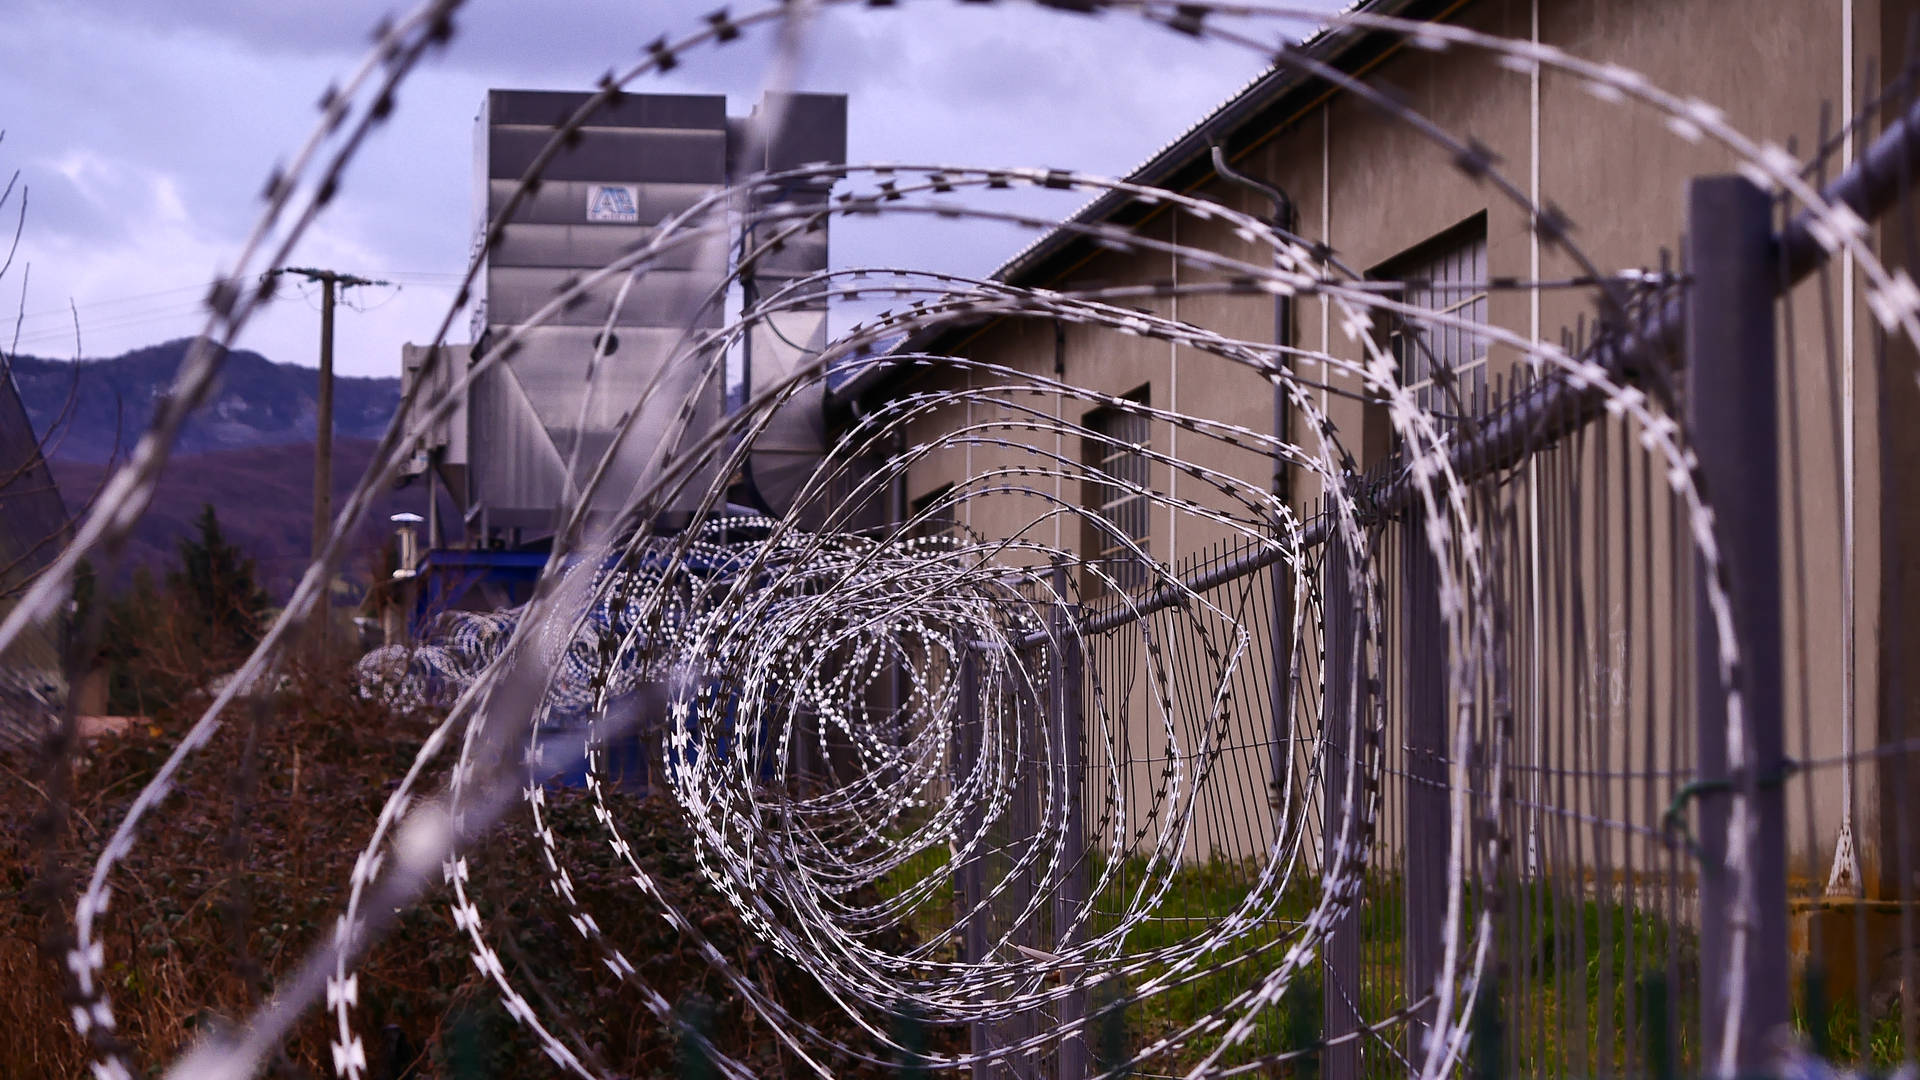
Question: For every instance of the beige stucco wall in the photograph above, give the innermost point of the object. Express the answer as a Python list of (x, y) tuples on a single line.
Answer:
[(1372, 186)]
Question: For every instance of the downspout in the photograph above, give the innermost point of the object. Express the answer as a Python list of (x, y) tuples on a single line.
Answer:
[(897, 513), (1059, 442), (1279, 642), (1282, 220)]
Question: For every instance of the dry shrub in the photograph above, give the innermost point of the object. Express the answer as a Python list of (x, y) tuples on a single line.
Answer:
[(206, 914)]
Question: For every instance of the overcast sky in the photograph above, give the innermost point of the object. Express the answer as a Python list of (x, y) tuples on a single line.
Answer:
[(145, 129)]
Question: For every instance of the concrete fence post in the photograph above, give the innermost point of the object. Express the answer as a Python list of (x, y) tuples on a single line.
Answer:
[(1341, 703), (1733, 428), (1065, 670), (1022, 704), (1425, 814), (969, 884)]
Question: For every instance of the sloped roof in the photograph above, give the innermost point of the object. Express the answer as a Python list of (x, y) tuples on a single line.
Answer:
[(1183, 161), (1196, 142)]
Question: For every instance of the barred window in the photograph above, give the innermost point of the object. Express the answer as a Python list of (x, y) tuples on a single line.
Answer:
[(1446, 275), (940, 517), (1115, 492)]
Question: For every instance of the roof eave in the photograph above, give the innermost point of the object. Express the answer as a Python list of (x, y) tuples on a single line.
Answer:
[(1271, 87)]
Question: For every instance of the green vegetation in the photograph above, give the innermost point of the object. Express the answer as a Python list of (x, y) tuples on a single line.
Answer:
[(1200, 896), (1588, 985), (162, 641), (1584, 985), (1878, 1044)]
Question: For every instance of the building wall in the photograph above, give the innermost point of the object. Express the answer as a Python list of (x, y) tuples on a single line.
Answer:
[(1372, 187)]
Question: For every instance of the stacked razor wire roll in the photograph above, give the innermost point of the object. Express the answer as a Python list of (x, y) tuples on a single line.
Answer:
[(850, 716)]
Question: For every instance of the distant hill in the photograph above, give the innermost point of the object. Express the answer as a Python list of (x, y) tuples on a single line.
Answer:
[(249, 451), (80, 409), (264, 496)]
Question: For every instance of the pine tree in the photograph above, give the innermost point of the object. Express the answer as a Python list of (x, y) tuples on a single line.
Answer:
[(163, 641), (215, 591)]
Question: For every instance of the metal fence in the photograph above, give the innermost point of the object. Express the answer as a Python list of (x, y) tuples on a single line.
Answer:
[(1503, 760), (1225, 738)]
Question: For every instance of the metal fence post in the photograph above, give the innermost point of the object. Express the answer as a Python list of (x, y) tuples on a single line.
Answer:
[(1730, 406), (968, 882), (1340, 954), (1065, 671), (1424, 810), (1282, 797), (1022, 828)]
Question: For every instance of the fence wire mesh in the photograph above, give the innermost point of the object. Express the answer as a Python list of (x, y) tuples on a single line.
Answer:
[(1493, 709)]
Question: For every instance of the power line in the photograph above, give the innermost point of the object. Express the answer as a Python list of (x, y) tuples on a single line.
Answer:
[(51, 332), (199, 291), (332, 283)]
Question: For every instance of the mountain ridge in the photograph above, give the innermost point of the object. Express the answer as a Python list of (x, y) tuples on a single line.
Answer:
[(264, 498), (89, 410), (248, 452)]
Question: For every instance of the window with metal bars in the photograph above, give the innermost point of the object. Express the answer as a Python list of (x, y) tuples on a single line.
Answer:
[(940, 513), (1116, 482), (1446, 275)]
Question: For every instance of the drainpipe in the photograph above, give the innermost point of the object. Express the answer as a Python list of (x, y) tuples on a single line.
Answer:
[(1282, 221), (1280, 638)]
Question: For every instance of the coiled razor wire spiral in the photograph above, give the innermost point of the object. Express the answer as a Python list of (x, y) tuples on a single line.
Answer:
[(873, 652)]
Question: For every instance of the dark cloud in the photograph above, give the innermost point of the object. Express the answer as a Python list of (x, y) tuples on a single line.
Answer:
[(147, 130)]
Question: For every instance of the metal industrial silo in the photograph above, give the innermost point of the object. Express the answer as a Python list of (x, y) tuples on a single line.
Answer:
[(639, 161)]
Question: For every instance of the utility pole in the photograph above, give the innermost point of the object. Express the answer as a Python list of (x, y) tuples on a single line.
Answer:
[(332, 283)]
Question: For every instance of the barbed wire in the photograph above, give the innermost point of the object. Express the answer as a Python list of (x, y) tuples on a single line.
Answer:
[(840, 704)]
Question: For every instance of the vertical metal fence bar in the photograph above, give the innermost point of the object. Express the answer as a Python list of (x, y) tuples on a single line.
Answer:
[(1279, 685), (968, 878), (1023, 759), (1340, 955), (1423, 646), (1731, 417), (1065, 672)]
